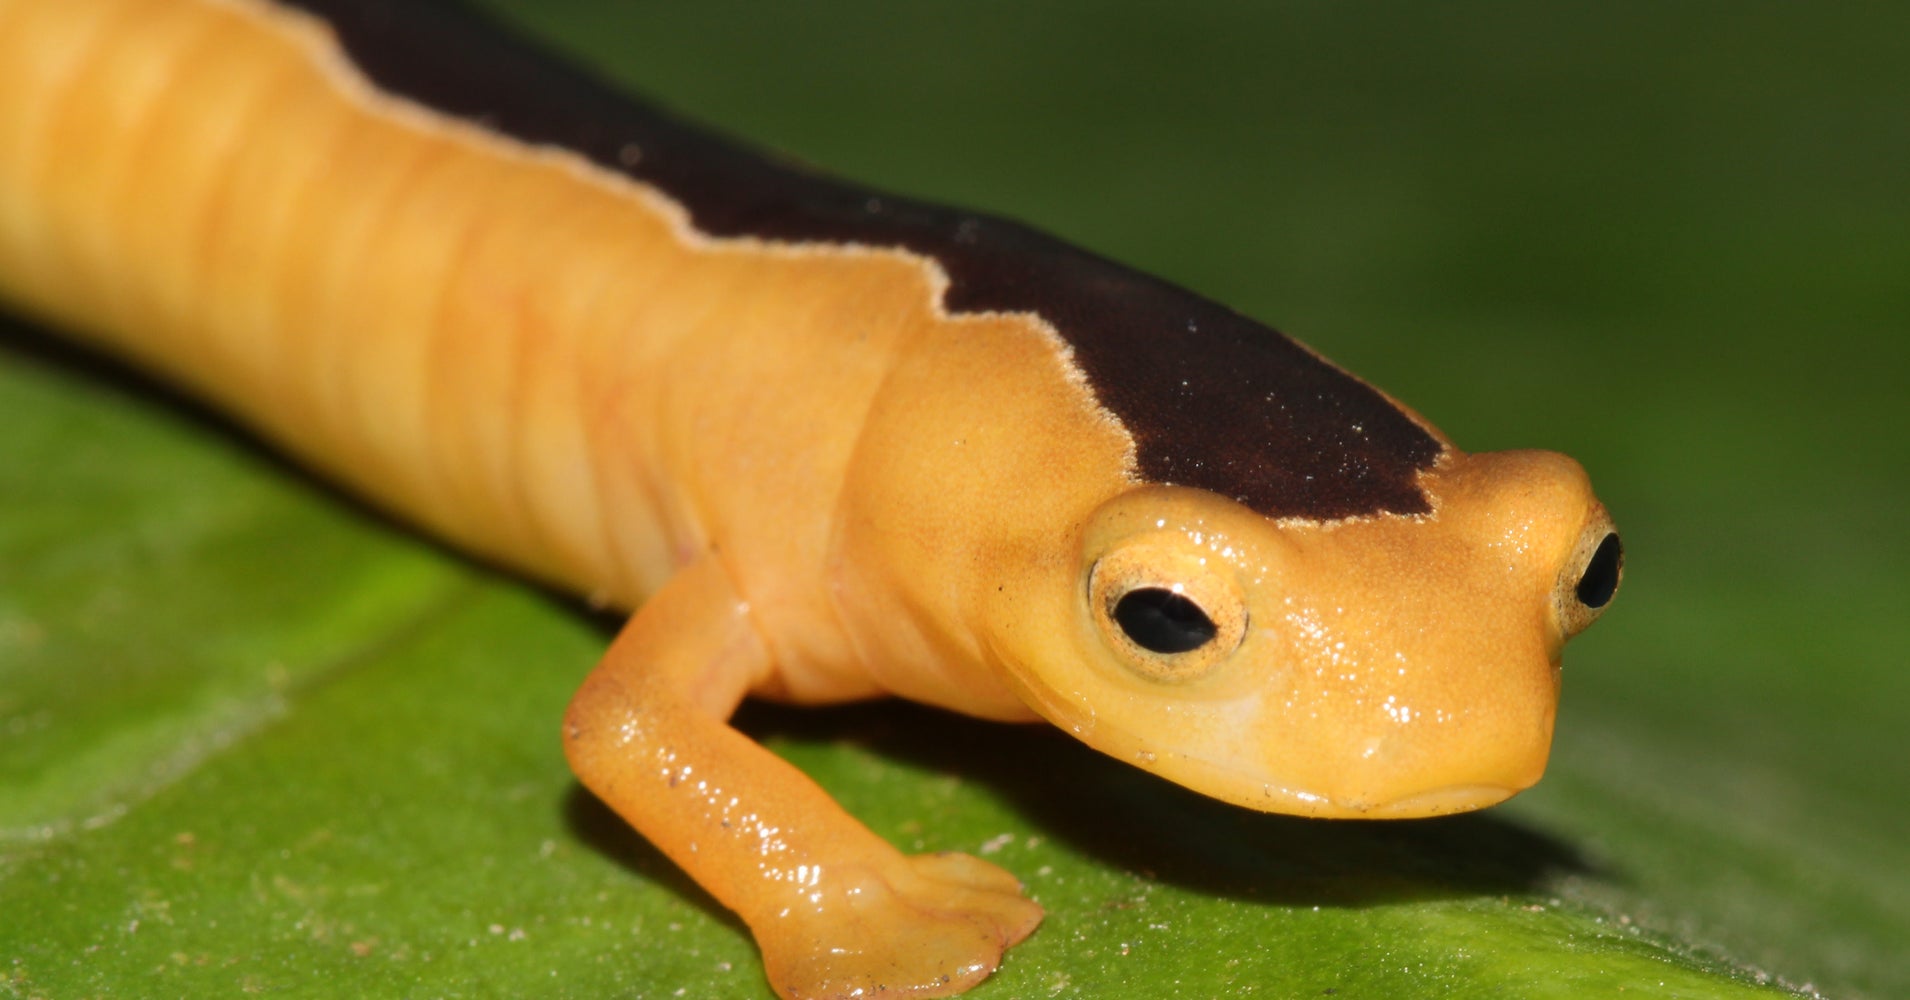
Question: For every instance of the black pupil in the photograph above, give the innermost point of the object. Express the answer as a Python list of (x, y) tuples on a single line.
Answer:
[(1595, 588), (1163, 621)]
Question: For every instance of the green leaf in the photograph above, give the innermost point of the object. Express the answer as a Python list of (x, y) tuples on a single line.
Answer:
[(254, 738)]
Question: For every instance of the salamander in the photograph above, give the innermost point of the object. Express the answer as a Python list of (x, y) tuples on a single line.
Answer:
[(829, 444)]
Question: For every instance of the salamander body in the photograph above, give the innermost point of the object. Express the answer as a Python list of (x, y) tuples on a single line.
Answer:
[(830, 444)]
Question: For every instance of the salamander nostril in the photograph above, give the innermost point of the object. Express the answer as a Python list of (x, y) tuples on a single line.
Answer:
[(1160, 620), (1600, 581)]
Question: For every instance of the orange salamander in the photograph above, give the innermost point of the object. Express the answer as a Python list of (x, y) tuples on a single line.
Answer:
[(829, 444)]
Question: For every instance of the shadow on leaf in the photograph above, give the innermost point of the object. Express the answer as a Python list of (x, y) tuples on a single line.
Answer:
[(603, 831)]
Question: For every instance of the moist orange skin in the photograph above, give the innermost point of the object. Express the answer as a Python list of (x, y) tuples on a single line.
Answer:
[(773, 452)]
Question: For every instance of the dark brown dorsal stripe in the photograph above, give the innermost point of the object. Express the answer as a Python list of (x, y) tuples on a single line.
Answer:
[(1213, 399)]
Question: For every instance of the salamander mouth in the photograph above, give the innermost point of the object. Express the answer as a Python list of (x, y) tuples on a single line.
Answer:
[(1419, 805), (1438, 802), (1229, 781)]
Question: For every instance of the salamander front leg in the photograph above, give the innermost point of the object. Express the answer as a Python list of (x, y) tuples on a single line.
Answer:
[(836, 911)]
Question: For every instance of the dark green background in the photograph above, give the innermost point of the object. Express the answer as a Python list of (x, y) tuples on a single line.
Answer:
[(253, 738)]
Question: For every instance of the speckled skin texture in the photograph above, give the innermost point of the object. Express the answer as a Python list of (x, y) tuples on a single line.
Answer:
[(824, 463)]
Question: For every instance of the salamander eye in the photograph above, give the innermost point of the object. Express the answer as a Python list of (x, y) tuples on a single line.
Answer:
[(1164, 611), (1163, 621), (1590, 578), (1600, 580)]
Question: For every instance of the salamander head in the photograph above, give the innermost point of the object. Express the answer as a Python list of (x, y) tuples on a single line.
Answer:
[(1389, 666)]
